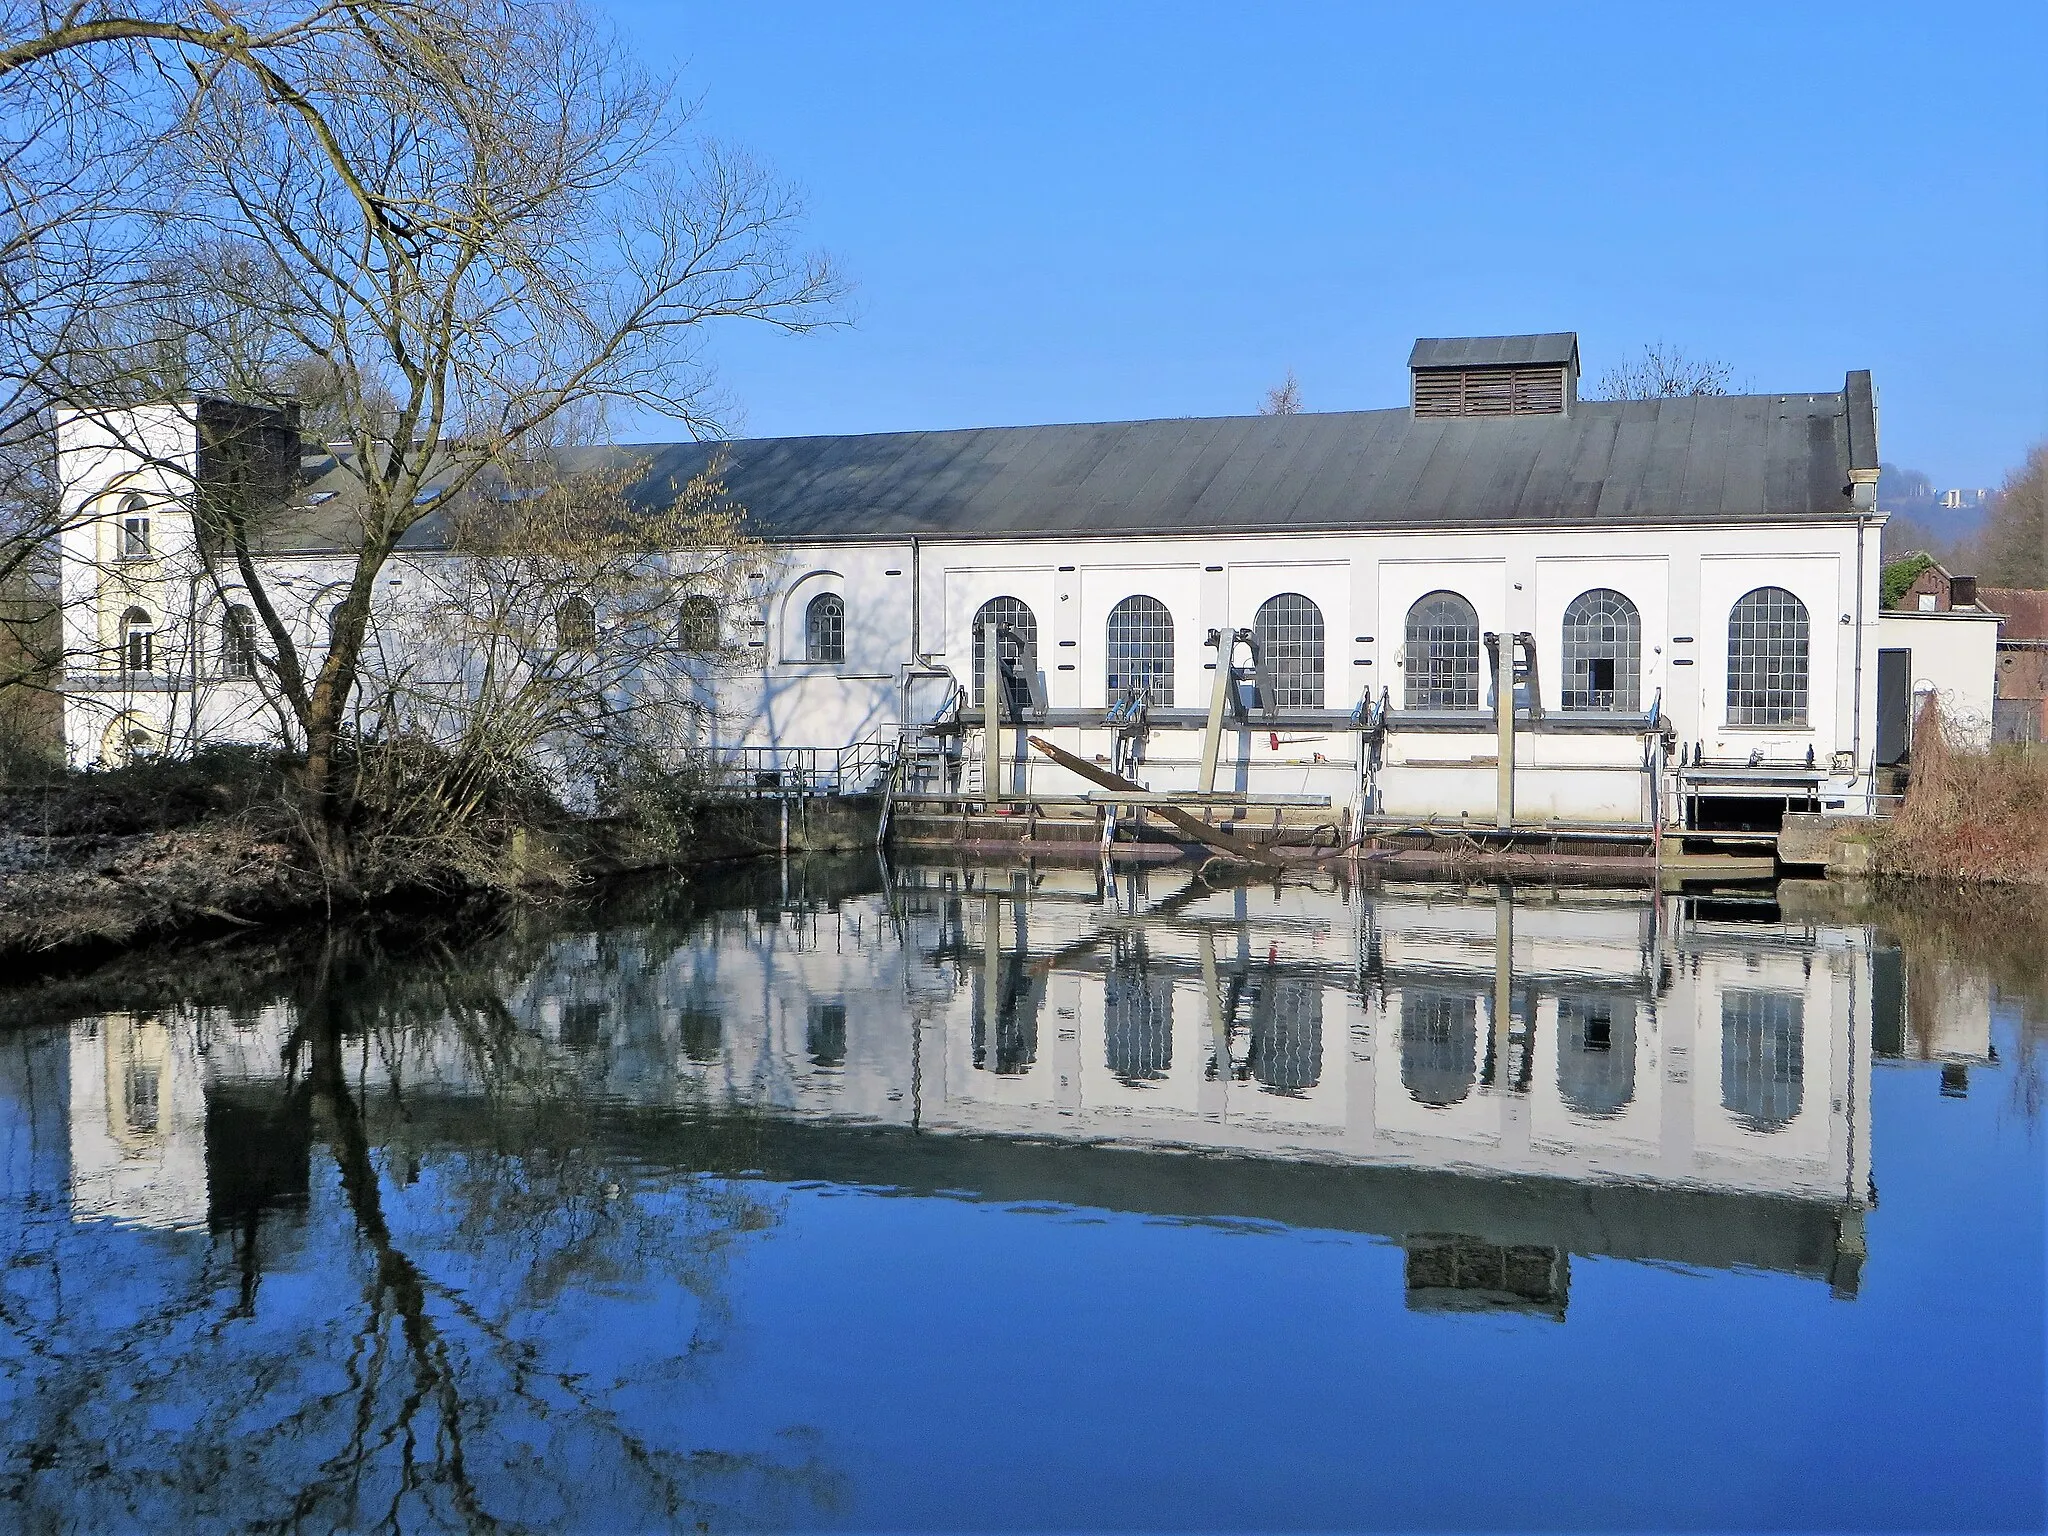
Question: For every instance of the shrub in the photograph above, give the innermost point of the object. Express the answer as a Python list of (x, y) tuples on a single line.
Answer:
[(1969, 815)]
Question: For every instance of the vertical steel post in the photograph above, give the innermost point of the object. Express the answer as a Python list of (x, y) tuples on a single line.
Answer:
[(991, 717), (1503, 648)]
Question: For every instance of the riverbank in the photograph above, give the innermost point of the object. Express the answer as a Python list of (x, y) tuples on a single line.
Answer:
[(1970, 817), (94, 863)]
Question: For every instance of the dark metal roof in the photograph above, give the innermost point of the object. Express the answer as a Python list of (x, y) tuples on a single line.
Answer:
[(1684, 460), (1495, 351)]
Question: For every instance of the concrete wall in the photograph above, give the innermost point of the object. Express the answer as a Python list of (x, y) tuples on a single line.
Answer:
[(1955, 657)]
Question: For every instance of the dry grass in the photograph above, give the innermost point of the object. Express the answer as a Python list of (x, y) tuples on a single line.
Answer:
[(1969, 816)]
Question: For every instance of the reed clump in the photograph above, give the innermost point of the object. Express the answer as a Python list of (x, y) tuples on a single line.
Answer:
[(1970, 815)]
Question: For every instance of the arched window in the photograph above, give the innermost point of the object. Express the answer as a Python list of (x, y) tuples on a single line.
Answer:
[(698, 631), (1289, 631), (1006, 1024), (1443, 653), (238, 642), (1287, 1034), (1596, 1054), (138, 642), (1767, 641), (1763, 1057), (702, 1033), (825, 1035), (1141, 650), (133, 538), (575, 625), (1137, 1024), (825, 628), (1016, 645), (1439, 1045), (1603, 652)]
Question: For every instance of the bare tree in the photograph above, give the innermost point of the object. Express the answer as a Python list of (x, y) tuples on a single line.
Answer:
[(517, 226), (464, 219), (564, 648), (94, 95), (2015, 539), (1284, 399), (1662, 370)]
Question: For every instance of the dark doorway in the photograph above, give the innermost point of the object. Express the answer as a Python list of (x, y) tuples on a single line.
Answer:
[(1894, 707)]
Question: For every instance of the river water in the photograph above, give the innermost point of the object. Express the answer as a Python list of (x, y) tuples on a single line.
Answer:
[(993, 1198)]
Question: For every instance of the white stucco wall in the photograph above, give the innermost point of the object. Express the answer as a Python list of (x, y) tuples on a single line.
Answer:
[(1955, 656), (905, 600)]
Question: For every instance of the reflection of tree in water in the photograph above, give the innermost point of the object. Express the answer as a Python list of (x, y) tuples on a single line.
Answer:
[(1596, 1053), (1439, 1045), (1763, 1057), (454, 1361), (1137, 1015)]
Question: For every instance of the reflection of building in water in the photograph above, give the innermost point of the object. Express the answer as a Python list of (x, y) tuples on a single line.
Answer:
[(1705, 1075), (1449, 1273), (163, 1120), (138, 1122), (1931, 1008), (1494, 1081)]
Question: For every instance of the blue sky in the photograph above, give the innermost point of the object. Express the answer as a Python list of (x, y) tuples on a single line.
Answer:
[(1072, 212)]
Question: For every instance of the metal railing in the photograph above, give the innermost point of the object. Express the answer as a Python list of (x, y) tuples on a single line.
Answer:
[(859, 768)]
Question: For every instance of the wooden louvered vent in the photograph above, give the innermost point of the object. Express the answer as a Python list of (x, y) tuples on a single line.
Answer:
[(1490, 391)]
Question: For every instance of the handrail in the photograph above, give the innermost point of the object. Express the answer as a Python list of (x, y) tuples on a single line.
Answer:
[(778, 772)]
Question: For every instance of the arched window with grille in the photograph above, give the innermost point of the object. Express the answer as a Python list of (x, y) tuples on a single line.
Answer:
[(1439, 1046), (1010, 1049), (1140, 650), (575, 625), (1768, 635), (1596, 1054), (1289, 632), (1016, 645), (1763, 1057), (825, 628), (138, 642), (1603, 652), (698, 630), (1137, 1019), (1286, 1052), (238, 642), (1442, 660)]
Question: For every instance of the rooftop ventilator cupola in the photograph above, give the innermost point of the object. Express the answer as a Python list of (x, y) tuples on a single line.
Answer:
[(1495, 375)]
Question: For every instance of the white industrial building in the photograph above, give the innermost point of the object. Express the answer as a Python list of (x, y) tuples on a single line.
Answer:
[(1684, 590)]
